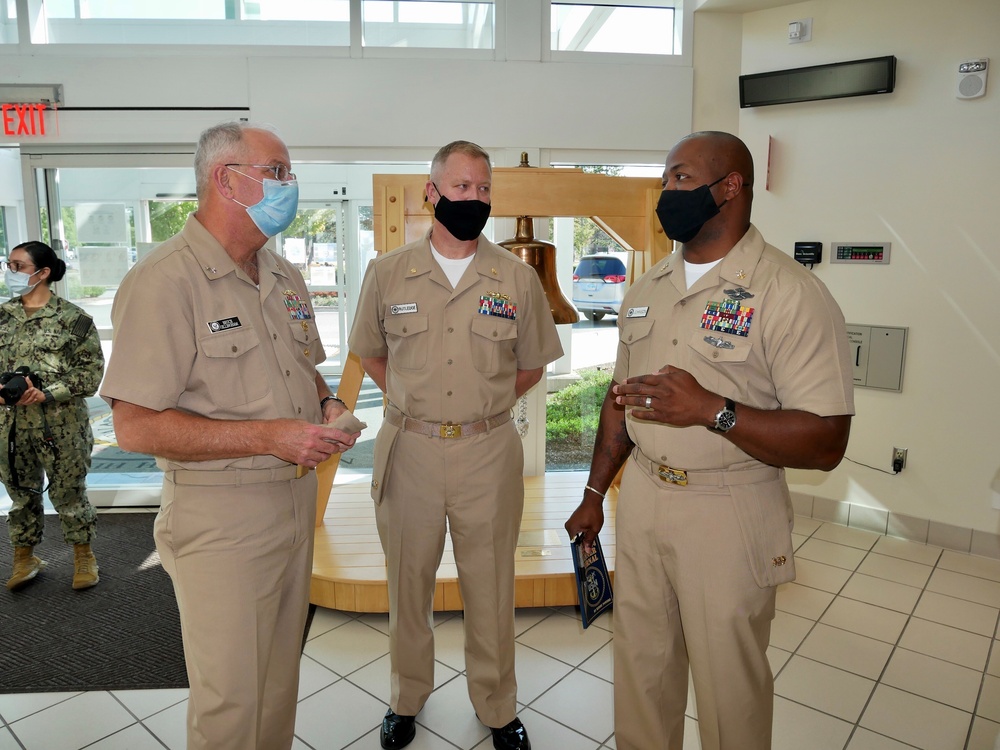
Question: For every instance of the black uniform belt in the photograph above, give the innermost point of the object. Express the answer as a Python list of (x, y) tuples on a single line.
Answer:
[(444, 430), (234, 477), (721, 478)]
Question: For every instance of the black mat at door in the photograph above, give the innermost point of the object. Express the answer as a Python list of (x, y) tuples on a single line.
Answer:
[(123, 634)]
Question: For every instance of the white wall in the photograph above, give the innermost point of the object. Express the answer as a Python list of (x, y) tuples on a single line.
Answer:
[(368, 104), (915, 168)]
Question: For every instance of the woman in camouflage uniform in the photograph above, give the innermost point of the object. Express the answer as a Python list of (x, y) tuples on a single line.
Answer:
[(46, 428)]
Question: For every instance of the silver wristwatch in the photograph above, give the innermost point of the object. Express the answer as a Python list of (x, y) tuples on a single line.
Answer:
[(725, 420)]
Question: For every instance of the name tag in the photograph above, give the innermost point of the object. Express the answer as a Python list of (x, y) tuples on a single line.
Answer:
[(226, 324), (409, 307), (637, 312)]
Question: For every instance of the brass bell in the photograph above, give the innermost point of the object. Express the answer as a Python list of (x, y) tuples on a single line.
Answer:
[(542, 257)]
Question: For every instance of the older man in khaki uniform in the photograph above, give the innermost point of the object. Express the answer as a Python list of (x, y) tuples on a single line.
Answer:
[(453, 329), (214, 372), (732, 363)]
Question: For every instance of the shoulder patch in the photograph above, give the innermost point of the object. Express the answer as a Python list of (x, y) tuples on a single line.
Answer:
[(82, 326)]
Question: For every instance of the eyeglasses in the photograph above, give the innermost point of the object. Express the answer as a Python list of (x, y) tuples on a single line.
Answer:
[(15, 266), (281, 172)]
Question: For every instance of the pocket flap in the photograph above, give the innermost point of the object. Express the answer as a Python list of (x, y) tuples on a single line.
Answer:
[(405, 325), (636, 329), (718, 347), (230, 344), (303, 331), (494, 328)]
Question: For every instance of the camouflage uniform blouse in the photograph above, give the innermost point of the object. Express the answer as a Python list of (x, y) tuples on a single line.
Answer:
[(60, 343)]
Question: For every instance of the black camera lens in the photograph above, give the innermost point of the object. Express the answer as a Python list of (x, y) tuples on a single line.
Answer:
[(13, 389), (14, 384)]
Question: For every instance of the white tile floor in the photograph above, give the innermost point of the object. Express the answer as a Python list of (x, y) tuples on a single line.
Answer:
[(881, 644)]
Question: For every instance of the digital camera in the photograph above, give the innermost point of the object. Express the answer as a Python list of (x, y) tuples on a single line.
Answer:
[(14, 384)]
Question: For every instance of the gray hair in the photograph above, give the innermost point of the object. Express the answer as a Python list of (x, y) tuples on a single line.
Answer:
[(460, 147), (220, 144)]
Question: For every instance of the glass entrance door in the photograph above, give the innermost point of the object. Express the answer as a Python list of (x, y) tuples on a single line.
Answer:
[(317, 244)]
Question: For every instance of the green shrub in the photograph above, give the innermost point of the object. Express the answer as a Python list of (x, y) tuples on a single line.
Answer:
[(78, 291), (572, 414)]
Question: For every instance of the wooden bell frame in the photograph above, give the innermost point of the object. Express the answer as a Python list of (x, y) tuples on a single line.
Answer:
[(624, 207)]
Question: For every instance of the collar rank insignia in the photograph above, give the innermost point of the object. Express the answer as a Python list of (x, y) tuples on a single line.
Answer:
[(500, 305), (298, 308), (720, 343), (739, 293), (727, 316)]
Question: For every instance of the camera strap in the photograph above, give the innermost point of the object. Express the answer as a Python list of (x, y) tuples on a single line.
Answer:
[(12, 443)]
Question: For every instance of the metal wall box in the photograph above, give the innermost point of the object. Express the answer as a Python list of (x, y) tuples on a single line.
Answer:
[(877, 353), (868, 253)]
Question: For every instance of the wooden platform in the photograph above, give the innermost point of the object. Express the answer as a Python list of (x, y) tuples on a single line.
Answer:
[(349, 567)]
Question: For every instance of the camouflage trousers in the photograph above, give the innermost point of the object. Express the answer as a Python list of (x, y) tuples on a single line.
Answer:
[(65, 462)]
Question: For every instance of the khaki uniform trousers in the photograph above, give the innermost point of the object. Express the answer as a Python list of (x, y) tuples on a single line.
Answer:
[(475, 485), (241, 563), (685, 597)]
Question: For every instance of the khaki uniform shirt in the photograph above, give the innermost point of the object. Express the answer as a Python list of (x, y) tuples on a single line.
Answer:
[(453, 353), (757, 328), (192, 332)]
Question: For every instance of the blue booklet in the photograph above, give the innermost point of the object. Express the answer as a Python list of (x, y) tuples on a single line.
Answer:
[(592, 582)]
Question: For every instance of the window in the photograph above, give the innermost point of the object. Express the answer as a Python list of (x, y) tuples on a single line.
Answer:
[(292, 22), (600, 269), (8, 22), (297, 10), (151, 9), (640, 27), (452, 24), (4, 246)]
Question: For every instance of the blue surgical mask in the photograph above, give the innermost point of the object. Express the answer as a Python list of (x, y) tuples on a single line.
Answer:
[(18, 282), (276, 210)]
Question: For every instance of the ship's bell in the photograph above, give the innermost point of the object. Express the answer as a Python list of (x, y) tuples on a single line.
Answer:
[(542, 257)]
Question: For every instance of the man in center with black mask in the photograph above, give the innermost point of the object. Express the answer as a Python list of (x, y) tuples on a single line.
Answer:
[(732, 365), (453, 329)]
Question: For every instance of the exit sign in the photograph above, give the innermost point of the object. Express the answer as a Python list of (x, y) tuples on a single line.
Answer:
[(23, 119)]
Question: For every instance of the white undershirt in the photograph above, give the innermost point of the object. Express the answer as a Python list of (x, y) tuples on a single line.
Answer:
[(694, 271), (452, 268)]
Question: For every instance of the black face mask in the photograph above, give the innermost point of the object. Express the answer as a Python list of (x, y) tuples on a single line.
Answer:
[(464, 219), (682, 213)]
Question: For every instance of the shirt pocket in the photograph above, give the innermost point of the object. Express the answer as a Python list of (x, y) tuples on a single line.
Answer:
[(407, 339), (636, 335), (493, 340), (306, 335), (232, 367), (720, 362)]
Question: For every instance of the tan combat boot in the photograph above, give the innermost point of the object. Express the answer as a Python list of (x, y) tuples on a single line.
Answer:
[(84, 567), (26, 567)]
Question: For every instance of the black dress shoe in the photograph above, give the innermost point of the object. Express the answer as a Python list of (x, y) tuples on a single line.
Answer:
[(398, 731), (511, 737)]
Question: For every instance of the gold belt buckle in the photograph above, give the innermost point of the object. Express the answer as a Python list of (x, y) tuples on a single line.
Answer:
[(301, 471), (451, 430), (674, 476)]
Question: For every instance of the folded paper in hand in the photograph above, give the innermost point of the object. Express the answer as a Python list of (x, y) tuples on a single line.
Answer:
[(592, 581), (347, 422)]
